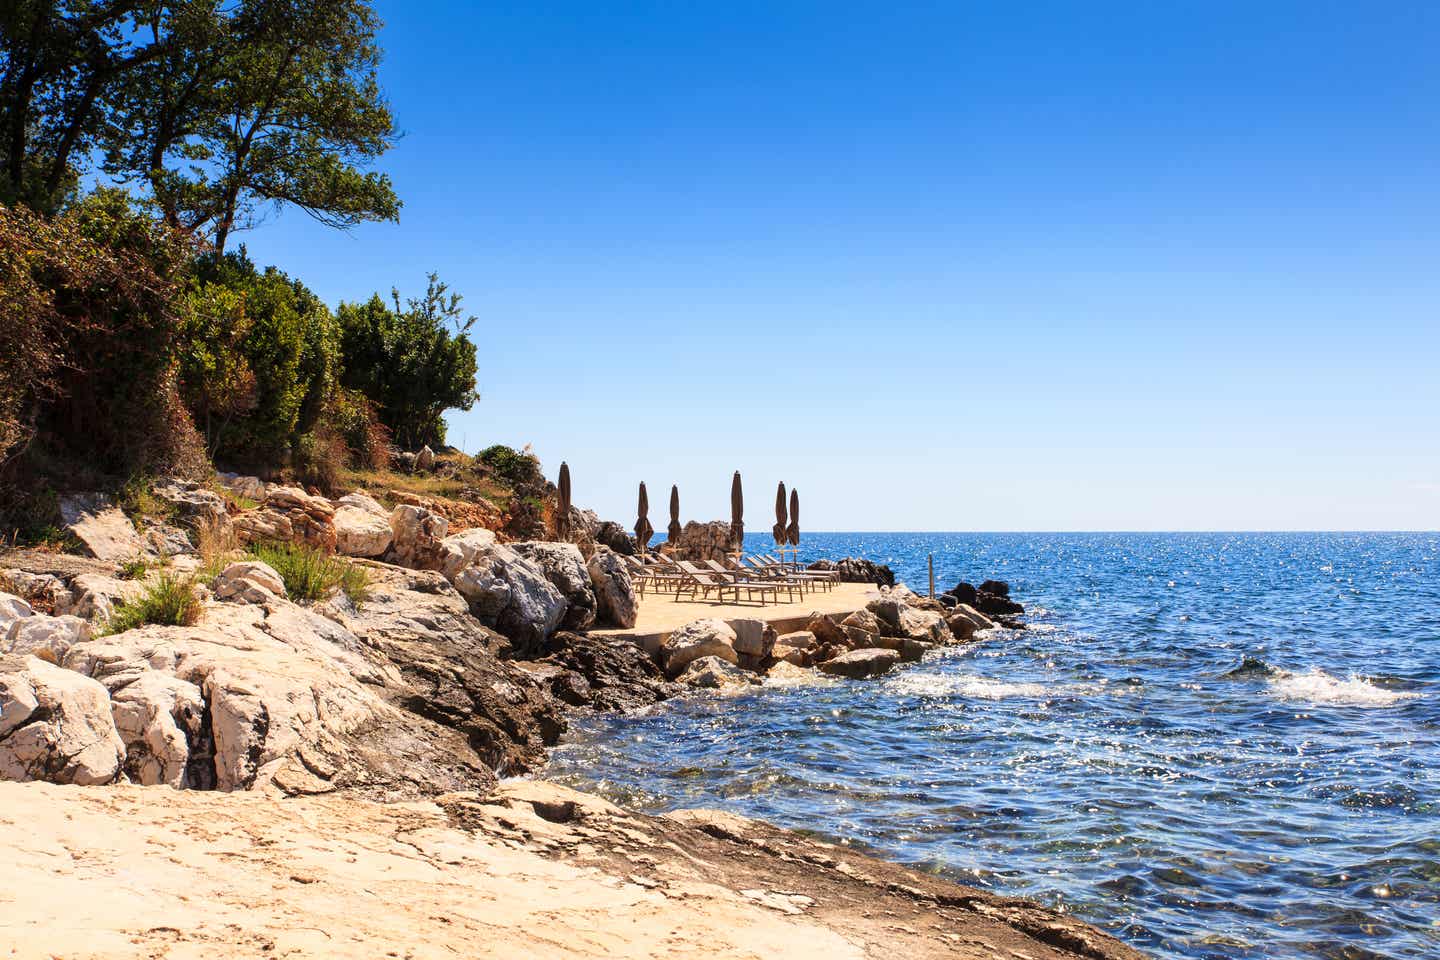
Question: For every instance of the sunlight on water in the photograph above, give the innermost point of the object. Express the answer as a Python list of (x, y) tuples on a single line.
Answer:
[(1214, 746)]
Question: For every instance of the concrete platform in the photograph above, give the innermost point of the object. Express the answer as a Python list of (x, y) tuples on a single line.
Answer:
[(661, 615)]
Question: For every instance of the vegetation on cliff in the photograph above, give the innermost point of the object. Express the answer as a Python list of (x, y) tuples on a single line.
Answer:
[(136, 339)]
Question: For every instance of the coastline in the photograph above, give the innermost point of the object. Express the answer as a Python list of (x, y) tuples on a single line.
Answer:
[(338, 755)]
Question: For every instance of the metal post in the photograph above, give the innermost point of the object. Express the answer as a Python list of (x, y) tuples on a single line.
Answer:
[(932, 576)]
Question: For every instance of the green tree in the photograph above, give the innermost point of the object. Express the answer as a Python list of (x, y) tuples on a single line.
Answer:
[(414, 362), (274, 102), (275, 376), (215, 109)]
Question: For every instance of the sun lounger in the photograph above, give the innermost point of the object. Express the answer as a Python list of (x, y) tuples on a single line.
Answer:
[(788, 584), (704, 583)]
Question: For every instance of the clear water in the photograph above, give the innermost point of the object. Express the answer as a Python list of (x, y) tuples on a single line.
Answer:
[(1212, 745)]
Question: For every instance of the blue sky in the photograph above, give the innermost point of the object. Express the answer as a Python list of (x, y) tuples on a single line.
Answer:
[(946, 266)]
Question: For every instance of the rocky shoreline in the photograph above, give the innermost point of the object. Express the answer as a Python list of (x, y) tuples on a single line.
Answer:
[(314, 722)]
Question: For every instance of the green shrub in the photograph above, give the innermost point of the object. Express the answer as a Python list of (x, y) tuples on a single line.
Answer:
[(414, 361), (514, 467), (169, 601), (134, 569), (311, 574)]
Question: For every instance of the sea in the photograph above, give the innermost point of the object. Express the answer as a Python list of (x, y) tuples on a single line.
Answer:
[(1212, 745)]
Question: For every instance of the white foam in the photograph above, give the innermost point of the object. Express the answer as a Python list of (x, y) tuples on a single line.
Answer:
[(1317, 686), (979, 688)]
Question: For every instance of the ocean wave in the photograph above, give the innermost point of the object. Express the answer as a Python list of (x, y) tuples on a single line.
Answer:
[(1317, 686), (978, 688)]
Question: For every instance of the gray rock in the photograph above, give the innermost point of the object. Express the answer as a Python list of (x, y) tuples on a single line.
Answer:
[(425, 459), (614, 590), (565, 568), (417, 535), (191, 501), (48, 638), (512, 594), (459, 550), (362, 527), (249, 581)]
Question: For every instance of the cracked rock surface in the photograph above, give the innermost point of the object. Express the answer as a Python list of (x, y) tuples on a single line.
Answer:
[(531, 870)]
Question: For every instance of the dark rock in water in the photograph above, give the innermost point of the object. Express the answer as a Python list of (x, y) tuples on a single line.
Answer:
[(612, 535), (617, 675), (994, 604), (855, 570), (997, 587), (1252, 667), (964, 593), (1009, 622)]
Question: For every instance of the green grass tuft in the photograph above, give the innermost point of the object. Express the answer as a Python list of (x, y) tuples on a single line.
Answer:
[(311, 574), (169, 601), (134, 569)]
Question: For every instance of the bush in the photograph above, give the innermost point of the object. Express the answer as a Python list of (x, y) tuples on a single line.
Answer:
[(258, 363), (169, 601), (311, 574), (408, 360), (514, 467), (87, 336)]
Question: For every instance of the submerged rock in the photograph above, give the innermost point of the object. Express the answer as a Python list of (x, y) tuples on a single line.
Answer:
[(716, 673)]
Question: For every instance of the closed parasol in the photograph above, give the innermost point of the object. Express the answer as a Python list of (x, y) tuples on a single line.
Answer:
[(562, 516), (737, 514), (673, 532), (779, 529), (793, 534), (643, 530)]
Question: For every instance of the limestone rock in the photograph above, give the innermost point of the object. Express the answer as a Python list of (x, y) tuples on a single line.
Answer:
[(512, 594), (417, 535), (55, 725), (696, 639), (862, 664), (362, 527), (191, 501), (12, 608), (704, 541), (48, 638), (614, 589), (161, 719), (787, 673), (263, 526), (100, 526), (425, 459), (249, 581), (565, 568), (827, 632), (311, 519), (716, 673), (753, 638), (95, 597), (459, 550)]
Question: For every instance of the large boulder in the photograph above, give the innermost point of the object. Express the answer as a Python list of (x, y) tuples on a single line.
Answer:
[(248, 581), (565, 568), (55, 725), (513, 595), (312, 519), (862, 664), (362, 526), (251, 488), (425, 459), (417, 536), (696, 639), (614, 589), (101, 527), (12, 608), (704, 541), (862, 629), (827, 632), (93, 596)]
